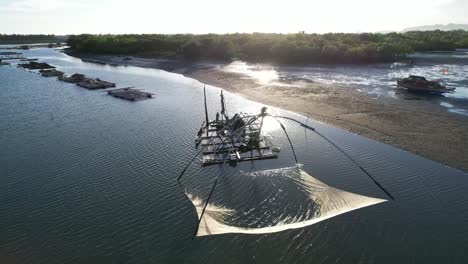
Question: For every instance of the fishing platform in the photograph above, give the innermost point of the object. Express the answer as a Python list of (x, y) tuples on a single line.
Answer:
[(234, 139), (130, 94), (8, 55)]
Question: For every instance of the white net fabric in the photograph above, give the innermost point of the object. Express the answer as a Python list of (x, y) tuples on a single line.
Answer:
[(277, 210)]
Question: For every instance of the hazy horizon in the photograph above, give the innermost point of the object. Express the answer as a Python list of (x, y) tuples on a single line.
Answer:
[(63, 17)]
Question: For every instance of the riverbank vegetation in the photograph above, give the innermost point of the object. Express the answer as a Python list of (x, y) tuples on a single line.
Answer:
[(29, 39), (278, 48)]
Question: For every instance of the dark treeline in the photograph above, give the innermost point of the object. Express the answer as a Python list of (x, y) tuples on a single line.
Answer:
[(279, 48), (28, 39)]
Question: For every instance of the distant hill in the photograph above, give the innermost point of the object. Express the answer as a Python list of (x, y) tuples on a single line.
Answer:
[(447, 27)]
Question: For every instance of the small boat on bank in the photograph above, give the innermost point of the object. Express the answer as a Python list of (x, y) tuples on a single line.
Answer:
[(420, 84)]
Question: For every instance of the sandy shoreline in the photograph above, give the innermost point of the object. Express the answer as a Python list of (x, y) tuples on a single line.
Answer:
[(413, 125)]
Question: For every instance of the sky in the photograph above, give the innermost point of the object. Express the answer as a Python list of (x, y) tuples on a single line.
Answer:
[(219, 16)]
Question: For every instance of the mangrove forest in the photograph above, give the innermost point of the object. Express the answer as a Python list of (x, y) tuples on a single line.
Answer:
[(277, 48), (29, 39)]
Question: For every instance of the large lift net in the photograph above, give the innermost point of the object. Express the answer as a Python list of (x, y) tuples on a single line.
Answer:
[(272, 201)]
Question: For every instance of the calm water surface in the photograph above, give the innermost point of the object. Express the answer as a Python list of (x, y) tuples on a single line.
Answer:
[(87, 178)]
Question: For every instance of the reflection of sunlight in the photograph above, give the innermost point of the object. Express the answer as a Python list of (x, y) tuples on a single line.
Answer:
[(373, 80), (265, 76), (460, 92), (445, 104), (459, 111), (451, 109), (270, 124), (263, 73)]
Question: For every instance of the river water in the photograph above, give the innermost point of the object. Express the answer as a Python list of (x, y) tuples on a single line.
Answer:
[(87, 178), (378, 80)]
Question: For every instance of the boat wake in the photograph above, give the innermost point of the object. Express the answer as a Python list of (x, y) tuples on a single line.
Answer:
[(276, 212)]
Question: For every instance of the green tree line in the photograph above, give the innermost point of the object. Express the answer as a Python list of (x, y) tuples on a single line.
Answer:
[(28, 39), (277, 48)]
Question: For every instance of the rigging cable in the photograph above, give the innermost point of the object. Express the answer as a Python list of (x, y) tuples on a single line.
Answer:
[(190, 162), (340, 149), (290, 142), (204, 207), (206, 110)]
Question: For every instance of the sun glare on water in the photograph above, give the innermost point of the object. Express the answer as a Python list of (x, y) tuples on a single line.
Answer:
[(264, 74)]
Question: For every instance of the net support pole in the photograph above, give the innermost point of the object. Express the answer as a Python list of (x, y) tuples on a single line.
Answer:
[(190, 162), (205, 206), (206, 111)]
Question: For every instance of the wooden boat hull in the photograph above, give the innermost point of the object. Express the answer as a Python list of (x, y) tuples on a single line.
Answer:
[(421, 89)]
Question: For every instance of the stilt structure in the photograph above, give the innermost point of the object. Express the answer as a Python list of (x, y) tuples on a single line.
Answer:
[(233, 139)]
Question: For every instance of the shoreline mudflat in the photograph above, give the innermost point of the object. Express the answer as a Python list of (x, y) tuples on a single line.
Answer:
[(413, 125)]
